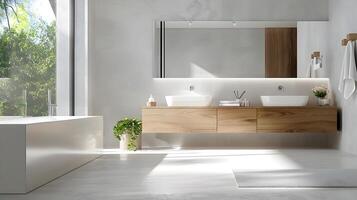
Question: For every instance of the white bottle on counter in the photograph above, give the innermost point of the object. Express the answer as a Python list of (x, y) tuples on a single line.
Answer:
[(151, 101)]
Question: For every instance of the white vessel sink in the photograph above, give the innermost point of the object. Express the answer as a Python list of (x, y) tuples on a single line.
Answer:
[(284, 100), (188, 100)]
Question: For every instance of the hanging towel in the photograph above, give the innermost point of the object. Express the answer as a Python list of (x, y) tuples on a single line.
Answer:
[(315, 65), (347, 85)]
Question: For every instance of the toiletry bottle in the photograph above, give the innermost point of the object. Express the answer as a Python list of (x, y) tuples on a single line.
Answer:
[(151, 102)]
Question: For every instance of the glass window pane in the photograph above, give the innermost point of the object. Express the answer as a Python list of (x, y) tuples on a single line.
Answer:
[(27, 56)]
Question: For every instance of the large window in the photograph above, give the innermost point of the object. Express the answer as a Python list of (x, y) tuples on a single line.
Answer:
[(27, 56)]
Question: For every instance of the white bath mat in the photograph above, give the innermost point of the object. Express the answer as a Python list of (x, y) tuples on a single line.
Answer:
[(305, 178)]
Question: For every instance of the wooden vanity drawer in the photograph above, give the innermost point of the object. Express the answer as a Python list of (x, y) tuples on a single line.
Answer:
[(282, 120), (240, 120), (237, 120), (179, 120)]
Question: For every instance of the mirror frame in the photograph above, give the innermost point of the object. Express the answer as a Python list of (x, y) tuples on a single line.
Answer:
[(160, 27)]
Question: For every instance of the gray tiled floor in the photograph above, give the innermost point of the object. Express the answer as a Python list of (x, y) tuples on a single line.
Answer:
[(190, 174)]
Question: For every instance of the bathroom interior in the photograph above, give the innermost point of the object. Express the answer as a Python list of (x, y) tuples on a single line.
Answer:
[(178, 99)]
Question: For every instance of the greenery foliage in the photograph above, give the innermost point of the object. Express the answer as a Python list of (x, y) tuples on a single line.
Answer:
[(6, 8), (320, 91), (28, 60), (130, 126)]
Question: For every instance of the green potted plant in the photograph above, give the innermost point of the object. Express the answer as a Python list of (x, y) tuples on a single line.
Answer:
[(320, 93), (128, 131)]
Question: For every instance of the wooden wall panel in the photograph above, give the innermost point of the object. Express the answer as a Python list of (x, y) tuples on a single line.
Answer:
[(280, 52), (236, 120)]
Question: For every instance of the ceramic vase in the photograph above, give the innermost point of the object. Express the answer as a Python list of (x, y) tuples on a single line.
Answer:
[(323, 101), (124, 141)]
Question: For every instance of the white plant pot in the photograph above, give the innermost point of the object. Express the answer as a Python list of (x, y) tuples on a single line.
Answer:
[(323, 101), (124, 142)]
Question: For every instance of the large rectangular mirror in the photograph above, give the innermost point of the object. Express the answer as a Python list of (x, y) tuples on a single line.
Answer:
[(227, 49)]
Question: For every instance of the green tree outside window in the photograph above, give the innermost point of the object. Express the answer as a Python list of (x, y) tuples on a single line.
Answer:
[(27, 60)]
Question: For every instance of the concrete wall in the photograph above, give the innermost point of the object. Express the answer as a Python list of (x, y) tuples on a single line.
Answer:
[(121, 55), (311, 36), (343, 17), (81, 55)]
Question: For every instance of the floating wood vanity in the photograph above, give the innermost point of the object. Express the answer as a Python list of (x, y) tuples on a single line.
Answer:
[(239, 120)]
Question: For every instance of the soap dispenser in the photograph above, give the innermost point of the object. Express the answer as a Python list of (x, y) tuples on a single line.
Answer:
[(151, 102)]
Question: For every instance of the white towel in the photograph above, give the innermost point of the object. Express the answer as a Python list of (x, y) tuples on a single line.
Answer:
[(347, 85), (315, 64)]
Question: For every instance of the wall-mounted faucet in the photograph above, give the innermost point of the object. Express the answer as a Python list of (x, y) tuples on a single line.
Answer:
[(191, 88), (281, 88)]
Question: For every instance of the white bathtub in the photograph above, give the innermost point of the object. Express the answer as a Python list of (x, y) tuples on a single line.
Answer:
[(33, 120), (36, 150), (9, 117)]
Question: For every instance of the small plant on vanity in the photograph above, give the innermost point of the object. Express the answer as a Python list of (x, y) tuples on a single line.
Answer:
[(128, 131), (320, 93)]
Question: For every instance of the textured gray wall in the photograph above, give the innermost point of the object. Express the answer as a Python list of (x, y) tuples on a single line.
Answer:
[(311, 36), (121, 55), (343, 17)]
